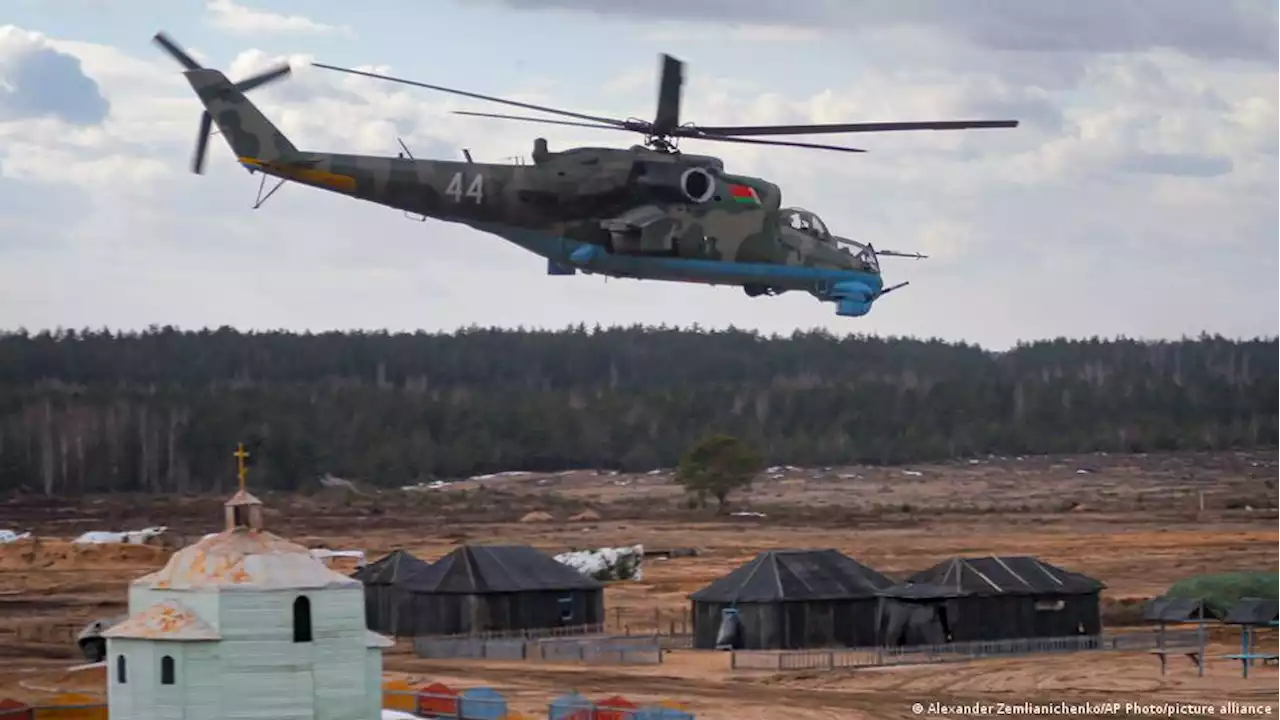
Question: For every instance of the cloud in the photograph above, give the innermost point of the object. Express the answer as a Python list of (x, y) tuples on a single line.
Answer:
[(1188, 164), (745, 33), (1223, 29), (38, 81), (244, 20)]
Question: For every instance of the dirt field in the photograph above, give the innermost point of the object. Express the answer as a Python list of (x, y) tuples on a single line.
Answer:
[(1132, 521)]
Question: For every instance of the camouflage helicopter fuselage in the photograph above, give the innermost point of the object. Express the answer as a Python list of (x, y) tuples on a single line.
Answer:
[(635, 213)]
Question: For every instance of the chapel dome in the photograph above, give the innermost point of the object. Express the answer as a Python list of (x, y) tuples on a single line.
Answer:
[(244, 558)]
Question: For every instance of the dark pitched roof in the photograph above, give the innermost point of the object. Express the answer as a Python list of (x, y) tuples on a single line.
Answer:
[(921, 591), (783, 575), (1176, 610), (1014, 575), (483, 569), (392, 569), (1253, 611)]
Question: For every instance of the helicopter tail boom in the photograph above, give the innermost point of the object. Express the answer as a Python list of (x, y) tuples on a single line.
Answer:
[(244, 127), (258, 144), (250, 135)]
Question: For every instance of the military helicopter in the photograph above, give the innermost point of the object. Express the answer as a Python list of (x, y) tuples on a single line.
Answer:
[(647, 212)]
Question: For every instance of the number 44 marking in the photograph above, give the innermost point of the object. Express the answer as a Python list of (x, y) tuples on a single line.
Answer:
[(475, 190)]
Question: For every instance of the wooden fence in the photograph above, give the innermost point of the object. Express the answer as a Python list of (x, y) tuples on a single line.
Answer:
[(829, 659), (590, 649)]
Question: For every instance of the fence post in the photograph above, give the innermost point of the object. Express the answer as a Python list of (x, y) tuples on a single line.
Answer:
[(733, 659), (1200, 636), (831, 660)]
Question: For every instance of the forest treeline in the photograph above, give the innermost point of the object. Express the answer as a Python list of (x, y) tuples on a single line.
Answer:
[(162, 410)]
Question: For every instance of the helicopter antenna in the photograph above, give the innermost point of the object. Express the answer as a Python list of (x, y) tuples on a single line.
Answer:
[(663, 133)]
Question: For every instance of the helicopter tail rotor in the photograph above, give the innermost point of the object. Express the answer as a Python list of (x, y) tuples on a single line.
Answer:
[(219, 93)]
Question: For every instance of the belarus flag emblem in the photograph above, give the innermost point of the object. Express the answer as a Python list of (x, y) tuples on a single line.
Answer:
[(744, 194)]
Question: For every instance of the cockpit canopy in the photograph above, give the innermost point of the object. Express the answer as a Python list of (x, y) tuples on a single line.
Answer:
[(804, 221)]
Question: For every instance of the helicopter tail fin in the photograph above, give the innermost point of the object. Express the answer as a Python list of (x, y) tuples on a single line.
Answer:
[(252, 137)]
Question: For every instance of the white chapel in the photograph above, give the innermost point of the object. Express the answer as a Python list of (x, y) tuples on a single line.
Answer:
[(244, 624)]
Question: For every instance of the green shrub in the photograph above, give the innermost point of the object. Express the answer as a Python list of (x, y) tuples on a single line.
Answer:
[(1223, 590)]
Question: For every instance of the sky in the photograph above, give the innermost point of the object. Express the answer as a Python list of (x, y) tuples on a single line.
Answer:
[(1138, 197)]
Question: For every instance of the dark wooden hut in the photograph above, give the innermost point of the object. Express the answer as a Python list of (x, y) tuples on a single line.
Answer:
[(388, 602), (989, 598), (503, 588), (789, 599)]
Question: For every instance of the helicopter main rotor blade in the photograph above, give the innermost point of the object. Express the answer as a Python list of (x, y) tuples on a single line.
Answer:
[(740, 130), (478, 96), (546, 121), (641, 128), (776, 143), (713, 138), (669, 85)]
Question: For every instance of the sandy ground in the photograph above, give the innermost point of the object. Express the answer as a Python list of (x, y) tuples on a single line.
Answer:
[(1134, 522)]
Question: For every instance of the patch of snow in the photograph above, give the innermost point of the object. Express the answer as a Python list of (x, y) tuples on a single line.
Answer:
[(504, 474), (129, 537), (912, 473), (433, 485), (324, 554), (332, 481), (609, 563), (748, 513), (8, 536)]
